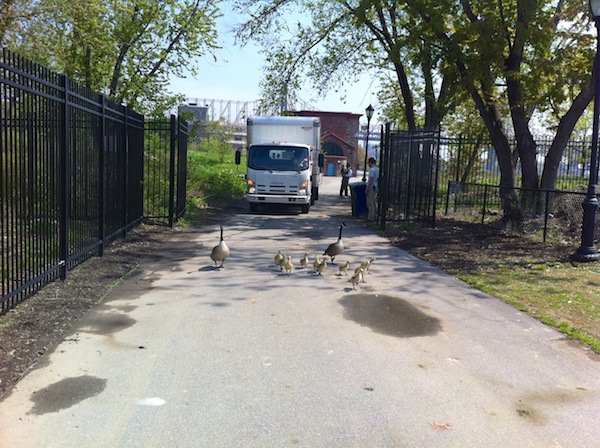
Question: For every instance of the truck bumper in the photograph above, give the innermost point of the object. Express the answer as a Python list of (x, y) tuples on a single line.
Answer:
[(279, 199)]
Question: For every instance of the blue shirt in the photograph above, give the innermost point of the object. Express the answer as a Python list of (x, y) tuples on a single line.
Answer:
[(374, 177)]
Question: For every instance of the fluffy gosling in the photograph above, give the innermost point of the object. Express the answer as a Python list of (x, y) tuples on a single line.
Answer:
[(357, 277), (281, 262), (277, 258), (304, 260), (368, 264), (316, 263), (343, 269), (321, 267)]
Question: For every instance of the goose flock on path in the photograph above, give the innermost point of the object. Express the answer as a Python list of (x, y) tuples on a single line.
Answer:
[(284, 262)]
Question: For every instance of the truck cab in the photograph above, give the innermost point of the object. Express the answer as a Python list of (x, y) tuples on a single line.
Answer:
[(284, 161)]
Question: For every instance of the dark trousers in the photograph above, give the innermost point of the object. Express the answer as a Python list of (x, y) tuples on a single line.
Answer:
[(344, 187)]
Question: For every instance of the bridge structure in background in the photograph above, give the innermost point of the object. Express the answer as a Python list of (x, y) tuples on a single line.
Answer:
[(234, 112)]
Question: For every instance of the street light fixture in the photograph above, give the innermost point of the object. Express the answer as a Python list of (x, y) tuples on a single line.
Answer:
[(587, 251), (369, 112)]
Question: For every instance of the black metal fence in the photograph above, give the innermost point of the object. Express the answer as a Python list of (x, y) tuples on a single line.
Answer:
[(554, 214), (469, 178), (72, 177), (423, 172), (409, 175), (473, 160), (166, 143)]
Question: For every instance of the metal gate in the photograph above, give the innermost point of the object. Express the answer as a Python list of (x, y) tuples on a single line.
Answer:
[(408, 184), (166, 144)]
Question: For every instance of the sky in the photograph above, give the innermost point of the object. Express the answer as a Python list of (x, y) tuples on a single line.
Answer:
[(236, 75)]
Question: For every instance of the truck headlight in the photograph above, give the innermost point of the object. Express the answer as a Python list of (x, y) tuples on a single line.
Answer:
[(251, 187), (302, 191)]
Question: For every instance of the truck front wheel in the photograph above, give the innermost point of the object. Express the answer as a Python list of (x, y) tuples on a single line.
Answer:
[(305, 208), (253, 207)]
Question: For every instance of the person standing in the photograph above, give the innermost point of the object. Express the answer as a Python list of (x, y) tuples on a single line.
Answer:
[(346, 175), (372, 187)]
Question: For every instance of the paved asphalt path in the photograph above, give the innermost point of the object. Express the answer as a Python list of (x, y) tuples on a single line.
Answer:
[(181, 355)]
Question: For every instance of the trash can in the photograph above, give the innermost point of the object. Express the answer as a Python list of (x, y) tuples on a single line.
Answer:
[(358, 192)]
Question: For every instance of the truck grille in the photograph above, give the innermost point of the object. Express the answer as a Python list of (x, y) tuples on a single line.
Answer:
[(276, 189)]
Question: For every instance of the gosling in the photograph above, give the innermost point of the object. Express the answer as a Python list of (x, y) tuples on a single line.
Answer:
[(287, 264), (304, 260), (278, 257), (220, 252), (356, 278), (344, 268), (316, 263), (361, 269), (281, 262), (321, 267), (369, 263)]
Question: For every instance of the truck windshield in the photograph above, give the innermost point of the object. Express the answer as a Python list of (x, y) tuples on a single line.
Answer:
[(278, 158)]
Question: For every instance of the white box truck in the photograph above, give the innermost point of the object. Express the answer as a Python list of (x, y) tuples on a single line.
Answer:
[(284, 161)]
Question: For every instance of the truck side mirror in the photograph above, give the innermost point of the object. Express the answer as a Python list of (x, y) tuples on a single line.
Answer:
[(321, 160), (238, 156)]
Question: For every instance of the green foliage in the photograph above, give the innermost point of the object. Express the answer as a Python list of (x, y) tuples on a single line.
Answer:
[(509, 61), (213, 177), (124, 48), (219, 134)]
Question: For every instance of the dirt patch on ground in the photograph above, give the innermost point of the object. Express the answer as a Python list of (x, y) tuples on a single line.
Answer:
[(461, 247), (43, 320)]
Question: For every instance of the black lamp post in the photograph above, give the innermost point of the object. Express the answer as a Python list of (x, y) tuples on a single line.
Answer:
[(587, 251), (369, 111)]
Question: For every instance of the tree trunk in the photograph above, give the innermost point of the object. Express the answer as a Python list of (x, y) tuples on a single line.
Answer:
[(409, 105), (506, 160), (565, 128)]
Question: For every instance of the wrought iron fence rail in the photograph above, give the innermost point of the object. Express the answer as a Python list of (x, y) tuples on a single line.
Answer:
[(556, 213), (71, 175)]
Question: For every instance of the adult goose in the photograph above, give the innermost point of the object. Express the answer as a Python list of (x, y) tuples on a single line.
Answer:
[(336, 248), (220, 252)]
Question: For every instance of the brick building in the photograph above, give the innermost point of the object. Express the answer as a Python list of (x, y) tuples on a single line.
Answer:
[(338, 139)]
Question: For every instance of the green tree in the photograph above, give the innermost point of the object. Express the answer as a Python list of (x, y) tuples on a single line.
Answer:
[(12, 15), (126, 49), (513, 58), (511, 52), (218, 135), (343, 39)]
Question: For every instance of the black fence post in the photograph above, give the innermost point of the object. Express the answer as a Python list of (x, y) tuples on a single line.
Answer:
[(102, 178), (384, 171), (546, 213), (485, 195), (174, 132), (447, 197), (31, 193), (182, 145), (64, 181), (127, 175), (438, 143), (458, 155)]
